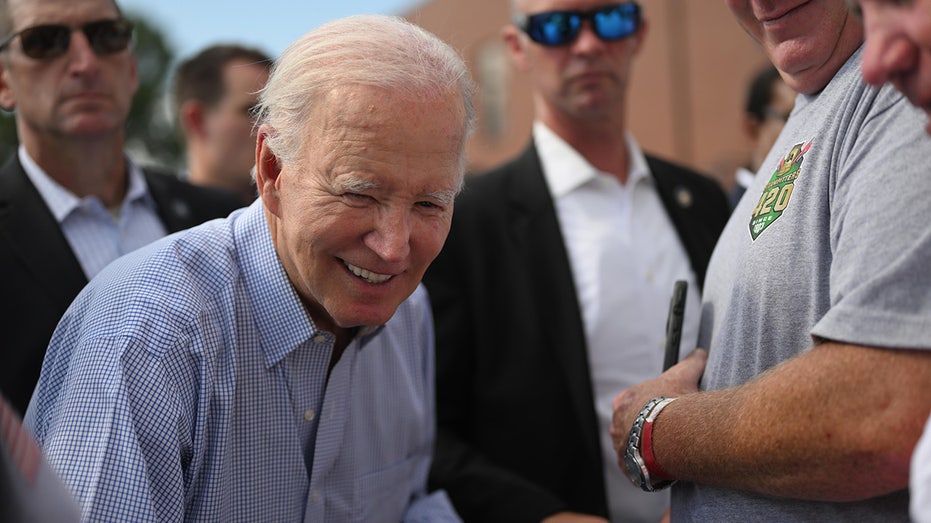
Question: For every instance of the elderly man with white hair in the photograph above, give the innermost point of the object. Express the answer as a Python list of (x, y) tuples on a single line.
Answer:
[(277, 365)]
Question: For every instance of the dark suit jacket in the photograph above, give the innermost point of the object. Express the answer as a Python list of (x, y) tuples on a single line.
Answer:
[(41, 275), (518, 435)]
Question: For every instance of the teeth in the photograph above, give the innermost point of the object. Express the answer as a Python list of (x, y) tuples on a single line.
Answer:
[(368, 276)]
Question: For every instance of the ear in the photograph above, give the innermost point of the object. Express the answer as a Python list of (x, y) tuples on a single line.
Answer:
[(514, 41), (7, 96), (191, 116), (267, 171)]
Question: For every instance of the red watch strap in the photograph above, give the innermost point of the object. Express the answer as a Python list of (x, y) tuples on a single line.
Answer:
[(646, 447)]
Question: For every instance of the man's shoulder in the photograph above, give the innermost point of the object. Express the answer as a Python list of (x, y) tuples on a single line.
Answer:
[(172, 278), (665, 170), (14, 183), (163, 179), (521, 175), (689, 190), (526, 160), (194, 203)]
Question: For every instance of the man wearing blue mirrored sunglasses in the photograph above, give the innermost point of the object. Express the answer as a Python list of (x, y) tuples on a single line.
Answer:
[(552, 290)]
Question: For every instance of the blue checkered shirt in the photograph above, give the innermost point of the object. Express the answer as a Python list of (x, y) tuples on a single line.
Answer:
[(187, 383)]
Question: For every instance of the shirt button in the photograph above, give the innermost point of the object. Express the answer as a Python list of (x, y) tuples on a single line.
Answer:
[(320, 338), (309, 415), (315, 495)]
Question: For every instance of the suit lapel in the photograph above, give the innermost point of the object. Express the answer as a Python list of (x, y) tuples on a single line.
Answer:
[(536, 233), (679, 201), (175, 213), (30, 232)]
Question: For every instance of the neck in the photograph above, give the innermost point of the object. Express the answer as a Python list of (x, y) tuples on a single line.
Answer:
[(321, 319), (343, 338), (85, 167), (201, 174), (602, 141)]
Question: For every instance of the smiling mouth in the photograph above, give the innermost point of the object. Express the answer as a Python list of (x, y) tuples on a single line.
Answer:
[(369, 276)]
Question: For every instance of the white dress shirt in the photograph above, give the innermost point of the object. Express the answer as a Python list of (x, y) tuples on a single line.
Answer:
[(625, 256)]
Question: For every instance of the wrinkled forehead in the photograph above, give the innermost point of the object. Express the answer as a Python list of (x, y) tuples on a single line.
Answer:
[(374, 128), (372, 108)]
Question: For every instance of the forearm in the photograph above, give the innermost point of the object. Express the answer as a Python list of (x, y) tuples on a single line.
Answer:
[(836, 424)]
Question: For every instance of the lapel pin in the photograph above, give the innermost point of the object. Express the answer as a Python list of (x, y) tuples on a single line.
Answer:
[(684, 197)]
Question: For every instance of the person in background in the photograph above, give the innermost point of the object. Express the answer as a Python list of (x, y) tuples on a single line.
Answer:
[(277, 365), (815, 315), (552, 291), (898, 51), (766, 110), (71, 200), (215, 93)]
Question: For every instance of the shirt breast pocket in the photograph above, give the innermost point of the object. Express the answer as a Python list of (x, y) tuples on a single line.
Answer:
[(383, 495)]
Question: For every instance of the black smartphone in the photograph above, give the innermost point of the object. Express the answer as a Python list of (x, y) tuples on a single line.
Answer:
[(674, 323)]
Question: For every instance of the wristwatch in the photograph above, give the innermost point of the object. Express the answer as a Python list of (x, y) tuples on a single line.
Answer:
[(637, 468)]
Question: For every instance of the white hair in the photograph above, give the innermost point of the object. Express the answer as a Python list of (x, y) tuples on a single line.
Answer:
[(369, 50)]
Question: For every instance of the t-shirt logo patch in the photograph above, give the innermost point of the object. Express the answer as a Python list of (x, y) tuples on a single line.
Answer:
[(778, 191)]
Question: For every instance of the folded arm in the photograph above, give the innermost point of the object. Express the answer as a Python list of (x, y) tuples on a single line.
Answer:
[(837, 411)]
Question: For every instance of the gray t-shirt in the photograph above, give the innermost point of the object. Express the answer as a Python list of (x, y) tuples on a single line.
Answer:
[(830, 242)]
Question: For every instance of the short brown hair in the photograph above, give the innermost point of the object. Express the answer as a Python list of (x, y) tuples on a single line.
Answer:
[(201, 76)]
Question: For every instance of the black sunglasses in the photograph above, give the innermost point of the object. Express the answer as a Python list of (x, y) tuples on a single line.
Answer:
[(555, 28), (45, 42)]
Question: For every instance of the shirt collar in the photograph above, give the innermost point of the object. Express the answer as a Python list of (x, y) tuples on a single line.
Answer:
[(62, 202), (282, 320), (566, 170), (280, 317)]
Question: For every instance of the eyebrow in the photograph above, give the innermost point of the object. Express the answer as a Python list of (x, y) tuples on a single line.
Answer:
[(446, 197), (353, 184)]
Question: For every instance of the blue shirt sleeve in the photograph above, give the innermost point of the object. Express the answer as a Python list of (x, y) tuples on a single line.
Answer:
[(109, 432)]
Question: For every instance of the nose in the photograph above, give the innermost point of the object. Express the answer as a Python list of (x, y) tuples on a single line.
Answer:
[(887, 55), (587, 41), (391, 236), (81, 56)]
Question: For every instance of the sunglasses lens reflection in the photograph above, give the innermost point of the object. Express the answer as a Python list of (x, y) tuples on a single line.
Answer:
[(619, 22), (556, 28)]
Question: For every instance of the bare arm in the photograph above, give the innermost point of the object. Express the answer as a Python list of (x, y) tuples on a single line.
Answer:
[(837, 423)]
